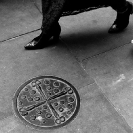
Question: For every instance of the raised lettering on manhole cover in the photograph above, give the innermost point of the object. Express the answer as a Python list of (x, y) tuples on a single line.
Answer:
[(46, 102)]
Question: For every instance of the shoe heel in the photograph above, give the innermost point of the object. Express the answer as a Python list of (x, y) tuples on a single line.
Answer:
[(57, 33)]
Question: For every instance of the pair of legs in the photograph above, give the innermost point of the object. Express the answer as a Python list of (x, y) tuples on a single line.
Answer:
[(53, 9)]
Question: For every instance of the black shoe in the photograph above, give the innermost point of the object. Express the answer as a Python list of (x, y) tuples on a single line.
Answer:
[(42, 40), (122, 20)]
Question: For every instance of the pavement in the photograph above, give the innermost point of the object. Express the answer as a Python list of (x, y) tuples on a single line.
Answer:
[(98, 64)]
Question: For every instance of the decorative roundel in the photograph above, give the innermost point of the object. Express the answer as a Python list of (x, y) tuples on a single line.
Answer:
[(46, 102)]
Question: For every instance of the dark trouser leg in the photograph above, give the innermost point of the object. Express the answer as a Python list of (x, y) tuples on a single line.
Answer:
[(118, 5), (51, 10)]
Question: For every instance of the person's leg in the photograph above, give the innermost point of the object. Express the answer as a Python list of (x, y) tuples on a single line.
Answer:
[(124, 9), (118, 5), (51, 10)]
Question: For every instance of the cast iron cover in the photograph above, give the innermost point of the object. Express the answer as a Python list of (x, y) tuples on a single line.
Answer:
[(46, 102)]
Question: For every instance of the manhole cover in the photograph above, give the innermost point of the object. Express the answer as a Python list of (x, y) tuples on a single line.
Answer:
[(46, 102)]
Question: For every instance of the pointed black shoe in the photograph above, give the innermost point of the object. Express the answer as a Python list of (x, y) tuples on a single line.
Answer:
[(42, 40), (122, 20)]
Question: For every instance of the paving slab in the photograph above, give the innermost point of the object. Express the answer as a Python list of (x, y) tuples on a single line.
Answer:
[(38, 4), (86, 34), (113, 72), (18, 17), (19, 65), (96, 115)]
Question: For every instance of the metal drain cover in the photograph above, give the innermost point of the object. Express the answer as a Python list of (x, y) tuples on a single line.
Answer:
[(46, 102)]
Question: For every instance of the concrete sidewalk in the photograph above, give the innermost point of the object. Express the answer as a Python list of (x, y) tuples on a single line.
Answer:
[(98, 64)]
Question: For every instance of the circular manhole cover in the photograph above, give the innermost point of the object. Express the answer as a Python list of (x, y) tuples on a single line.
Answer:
[(46, 102)]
